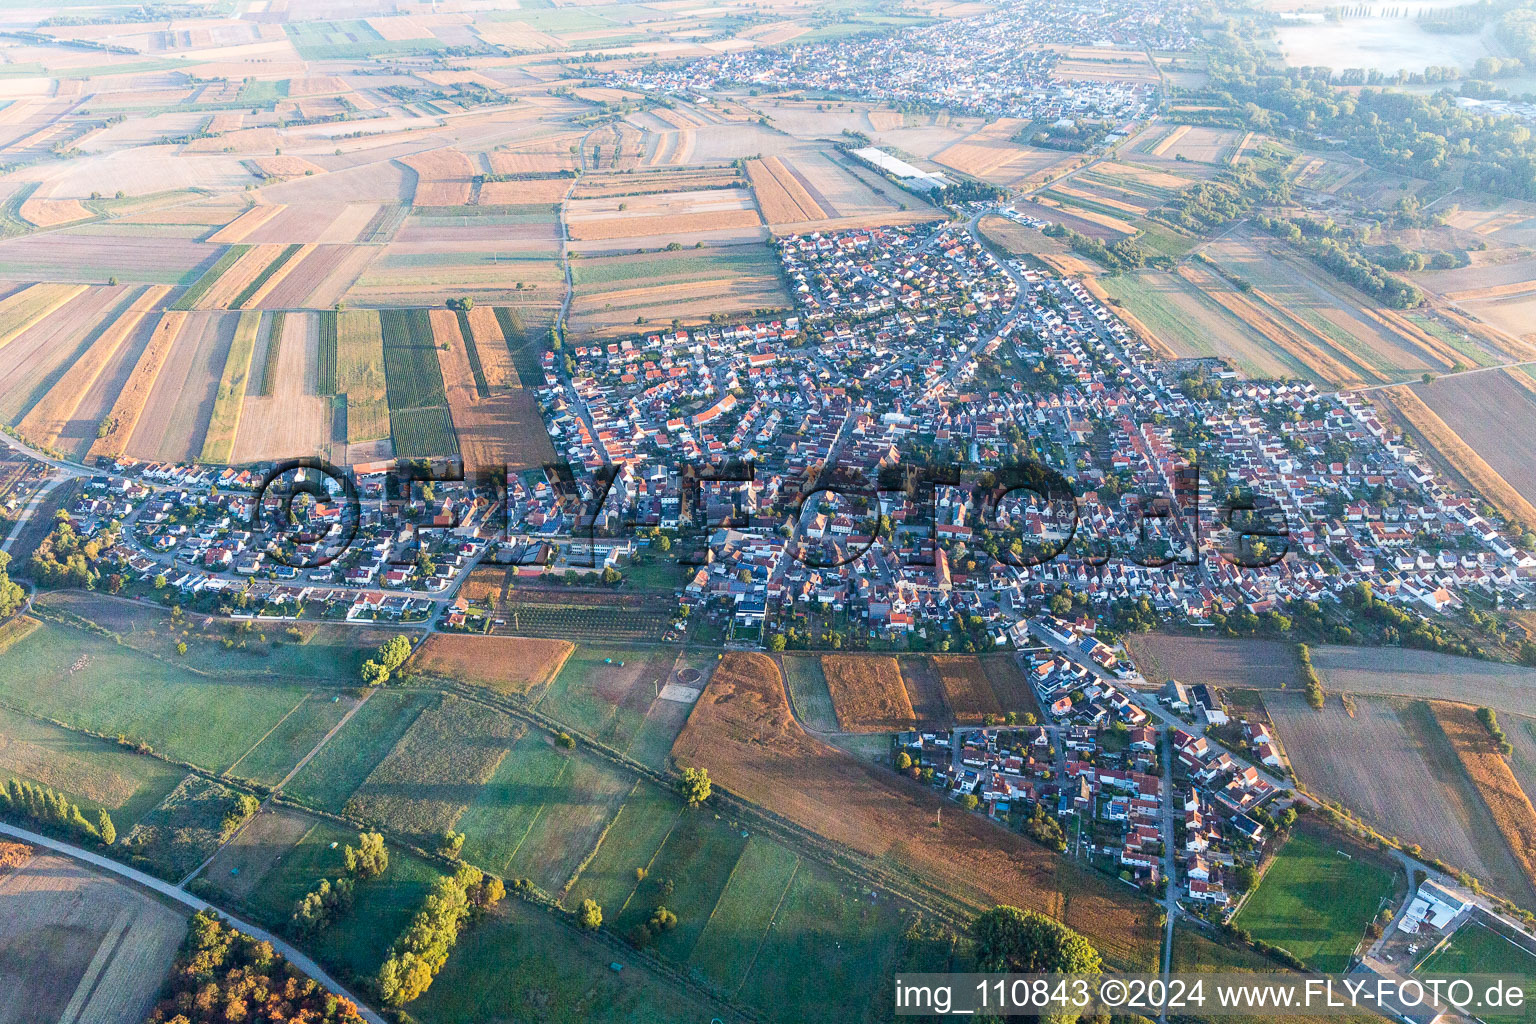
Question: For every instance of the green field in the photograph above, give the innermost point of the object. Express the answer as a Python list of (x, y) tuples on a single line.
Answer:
[(274, 757), (418, 405), (185, 829), (359, 374), (687, 877), (202, 284), (728, 945), (326, 357), (219, 441), (90, 682), (519, 964), (605, 700), (350, 40), (96, 774), (526, 337), (631, 842), (263, 92), (610, 273), (1316, 901), (343, 763), (1476, 949), (270, 362), (808, 689)]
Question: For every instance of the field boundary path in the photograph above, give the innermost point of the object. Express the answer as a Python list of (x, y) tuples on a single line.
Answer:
[(186, 899)]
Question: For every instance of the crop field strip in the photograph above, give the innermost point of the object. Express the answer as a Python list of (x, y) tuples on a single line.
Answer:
[(418, 404), (494, 427), (224, 423), (271, 276), (32, 305), (272, 356), (50, 417), (193, 295), (180, 407), (122, 421), (359, 373), (1496, 784), (1491, 412), (868, 693)]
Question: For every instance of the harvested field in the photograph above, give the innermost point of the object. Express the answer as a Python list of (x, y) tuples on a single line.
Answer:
[(1492, 413), (51, 418), (1490, 773), (418, 404), (238, 229), (50, 213), (1456, 454), (1392, 764), (443, 177), (289, 418), (491, 349), (1013, 689), (31, 305), (224, 421), (1397, 671), (435, 770), (780, 196), (867, 693), (926, 691), (1220, 661), (967, 688), (742, 731), (176, 416), (242, 277), (48, 347), (123, 420), (682, 213), (245, 863), (506, 664), (612, 290), (495, 427), (78, 945)]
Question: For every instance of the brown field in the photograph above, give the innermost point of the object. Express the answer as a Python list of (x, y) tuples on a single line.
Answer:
[(310, 278), (506, 664), (1013, 690), (49, 213), (289, 419), (925, 691), (682, 179), (1397, 671), (235, 280), (660, 214), (491, 347), (1392, 764), (44, 350), (782, 199), (1492, 413), (1102, 220), (990, 153), (175, 418), (1490, 773), (867, 693), (524, 192), (285, 166), (1169, 140), (743, 732), (237, 229), (1250, 664), (31, 305), (967, 688), (123, 420), (283, 273), (77, 945), (1456, 453), (503, 428), (443, 177), (51, 416), (551, 154)]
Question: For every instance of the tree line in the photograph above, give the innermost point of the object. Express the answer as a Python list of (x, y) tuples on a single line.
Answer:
[(50, 809)]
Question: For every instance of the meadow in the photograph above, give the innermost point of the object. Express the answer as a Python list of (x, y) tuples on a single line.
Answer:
[(342, 764)]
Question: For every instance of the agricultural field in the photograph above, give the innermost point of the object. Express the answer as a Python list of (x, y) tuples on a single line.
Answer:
[(358, 342), (286, 416), (185, 829), (79, 945), (1316, 898), (224, 421), (1490, 412), (808, 692), (1490, 773), (174, 419), (605, 691), (418, 406), (506, 664), (1425, 675), (967, 688), (743, 732), (342, 765), (1392, 763), (867, 692), (600, 616), (688, 215), (118, 426), (613, 291), (989, 153), (496, 426), (1221, 661)]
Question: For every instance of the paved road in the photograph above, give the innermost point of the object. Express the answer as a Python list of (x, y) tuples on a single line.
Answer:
[(186, 899)]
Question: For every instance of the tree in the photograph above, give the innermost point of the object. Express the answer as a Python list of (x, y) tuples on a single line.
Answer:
[(369, 858), (589, 915), (160, 581), (105, 828), (451, 843), (1024, 942), (695, 786), (12, 597), (1247, 877), (970, 802), (903, 761), (776, 643)]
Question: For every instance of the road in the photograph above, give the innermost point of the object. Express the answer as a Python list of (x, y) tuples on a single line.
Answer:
[(1170, 865), (186, 899)]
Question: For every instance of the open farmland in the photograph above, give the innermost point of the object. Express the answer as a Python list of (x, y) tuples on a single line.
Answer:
[(1403, 672), (240, 867), (606, 690), (224, 421), (359, 373), (1221, 661), (1393, 765), (43, 351), (991, 154), (1490, 773), (291, 740), (662, 214), (180, 405), (967, 689), (742, 731), (127, 409), (1317, 897), (1491, 412), (79, 945), (418, 406), (506, 664), (334, 773), (925, 690), (604, 617), (612, 291), (780, 195), (867, 692), (443, 177), (496, 426), (1459, 458), (287, 418)]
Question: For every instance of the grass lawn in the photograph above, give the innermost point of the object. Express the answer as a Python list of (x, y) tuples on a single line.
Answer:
[(730, 940), (687, 878), (1192, 951), (343, 763), (91, 682), (1316, 902), (541, 812), (274, 757), (96, 774), (519, 964), (1475, 949), (631, 842), (830, 953)]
